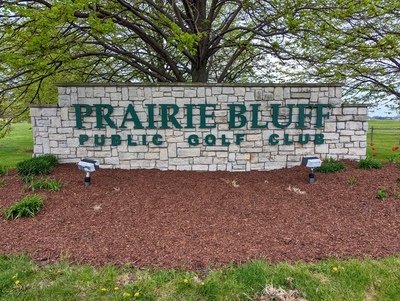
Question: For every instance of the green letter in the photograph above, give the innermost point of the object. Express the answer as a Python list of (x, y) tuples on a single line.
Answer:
[(210, 139), (275, 116), (115, 140), (302, 114), (233, 114), (320, 115), (134, 117), (224, 141), (239, 138), (156, 139), (193, 140), (254, 117), (100, 115), (189, 116), (150, 116), (319, 138), (166, 116), (286, 140), (96, 140), (203, 116), (83, 138), (301, 141), (79, 116), (273, 139), (130, 142)]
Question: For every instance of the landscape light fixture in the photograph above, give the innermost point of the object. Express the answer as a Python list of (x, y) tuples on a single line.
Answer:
[(312, 162), (88, 166)]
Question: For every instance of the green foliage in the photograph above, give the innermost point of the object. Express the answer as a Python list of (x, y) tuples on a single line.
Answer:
[(328, 280), (352, 181), (44, 184), (369, 163), (330, 165), (28, 206), (3, 183), (381, 194), (3, 170), (41, 165)]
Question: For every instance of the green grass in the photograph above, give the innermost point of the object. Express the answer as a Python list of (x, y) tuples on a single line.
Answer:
[(386, 135), (17, 145), (336, 280)]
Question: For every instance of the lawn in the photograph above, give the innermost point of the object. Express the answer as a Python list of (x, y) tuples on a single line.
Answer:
[(328, 280), (384, 134), (17, 145)]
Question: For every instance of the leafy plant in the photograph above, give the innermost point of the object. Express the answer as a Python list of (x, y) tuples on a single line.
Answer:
[(28, 206), (369, 163), (352, 181), (3, 183), (381, 194), (3, 170), (53, 161), (392, 157), (37, 166), (330, 165), (45, 184)]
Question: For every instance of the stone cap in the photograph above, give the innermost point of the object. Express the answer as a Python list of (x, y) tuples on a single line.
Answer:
[(47, 105), (181, 84)]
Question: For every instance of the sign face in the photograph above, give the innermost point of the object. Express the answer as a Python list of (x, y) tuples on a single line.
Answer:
[(164, 116), (203, 127)]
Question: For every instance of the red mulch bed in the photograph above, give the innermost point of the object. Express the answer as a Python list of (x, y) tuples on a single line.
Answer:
[(193, 219)]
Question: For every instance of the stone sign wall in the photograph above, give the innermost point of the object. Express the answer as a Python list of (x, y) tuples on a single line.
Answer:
[(199, 127)]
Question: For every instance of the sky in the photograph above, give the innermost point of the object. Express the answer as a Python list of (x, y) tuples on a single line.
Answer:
[(381, 111)]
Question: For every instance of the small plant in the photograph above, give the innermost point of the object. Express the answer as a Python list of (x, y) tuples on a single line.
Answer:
[(330, 165), (3, 170), (369, 163), (392, 157), (28, 206), (45, 184), (395, 193), (381, 194), (3, 183), (352, 181), (37, 166)]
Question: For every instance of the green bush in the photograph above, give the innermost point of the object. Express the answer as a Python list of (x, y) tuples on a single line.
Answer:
[(28, 206), (369, 163), (45, 184), (330, 165), (381, 194), (3, 170), (37, 166), (53, 161)]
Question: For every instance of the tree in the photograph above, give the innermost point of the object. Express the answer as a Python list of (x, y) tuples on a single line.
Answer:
[(46, 41), (143, 40), (357, 43)]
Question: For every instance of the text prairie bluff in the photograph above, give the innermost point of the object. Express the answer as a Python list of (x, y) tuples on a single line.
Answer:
[(201, 116)]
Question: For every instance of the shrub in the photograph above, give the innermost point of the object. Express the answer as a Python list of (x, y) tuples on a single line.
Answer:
[(53, 161), (3, 170), (45, 184), (369, 163), (37, 166), (28, 206), (330, 165), (352, 181), (381, 194)]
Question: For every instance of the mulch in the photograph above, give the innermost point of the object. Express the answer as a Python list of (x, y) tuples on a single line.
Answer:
[(194, 220)]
